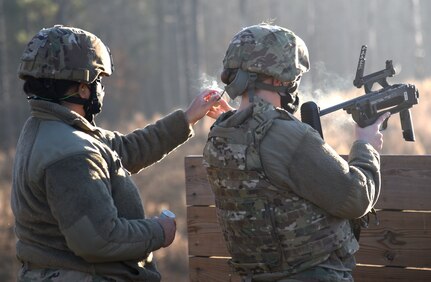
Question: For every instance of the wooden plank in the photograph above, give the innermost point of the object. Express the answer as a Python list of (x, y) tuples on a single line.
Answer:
[(205, 237), (401, 238), (406, 183), (211, 270), (198, 190), (390, 274), (218, 270)]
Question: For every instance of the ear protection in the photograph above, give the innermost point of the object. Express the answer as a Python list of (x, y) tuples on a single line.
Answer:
[(247, 81), (242, 82)]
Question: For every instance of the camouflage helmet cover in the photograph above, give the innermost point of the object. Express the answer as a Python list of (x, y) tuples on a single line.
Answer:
[(66, 53), (270, 50)]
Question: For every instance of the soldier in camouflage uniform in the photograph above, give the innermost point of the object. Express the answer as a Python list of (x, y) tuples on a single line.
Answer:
[(283, 196), (78, 214)]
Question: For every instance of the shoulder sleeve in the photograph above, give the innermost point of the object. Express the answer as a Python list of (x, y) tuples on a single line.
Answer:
[(296, 157), (145, 146)]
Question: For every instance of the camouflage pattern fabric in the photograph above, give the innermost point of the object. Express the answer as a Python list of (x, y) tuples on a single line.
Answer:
[(66, 53), (266, 228), (58, 275), (268, 49), (315, 274)]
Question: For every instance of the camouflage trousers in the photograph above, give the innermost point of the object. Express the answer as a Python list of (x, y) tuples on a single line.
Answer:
[(315, 274), (57, 275)]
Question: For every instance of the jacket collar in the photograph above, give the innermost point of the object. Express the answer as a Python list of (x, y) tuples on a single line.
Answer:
[(236, 118), (261, 106), (52, 111)]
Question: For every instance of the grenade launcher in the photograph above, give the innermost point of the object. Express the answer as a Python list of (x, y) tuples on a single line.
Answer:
[(366, 109)]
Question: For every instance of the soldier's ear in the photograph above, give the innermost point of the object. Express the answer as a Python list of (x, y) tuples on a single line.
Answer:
[(276, 82), (84, 91)]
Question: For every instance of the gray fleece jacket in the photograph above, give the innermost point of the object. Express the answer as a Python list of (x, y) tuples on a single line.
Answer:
[(75, 204)]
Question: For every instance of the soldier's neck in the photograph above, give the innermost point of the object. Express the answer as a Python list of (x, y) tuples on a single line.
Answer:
[(269, 96)]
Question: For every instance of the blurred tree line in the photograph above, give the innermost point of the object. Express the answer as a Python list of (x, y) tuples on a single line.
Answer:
[(165, 50)]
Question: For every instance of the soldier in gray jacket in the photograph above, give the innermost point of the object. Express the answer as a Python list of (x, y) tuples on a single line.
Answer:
[(284, 197), (78, 213)]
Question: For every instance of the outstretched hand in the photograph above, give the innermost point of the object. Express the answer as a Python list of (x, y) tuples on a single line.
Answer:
[(209, 103), (372, 134)]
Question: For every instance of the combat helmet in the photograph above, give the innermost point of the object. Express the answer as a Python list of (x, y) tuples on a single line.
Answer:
[(66, 53), (265, 49)]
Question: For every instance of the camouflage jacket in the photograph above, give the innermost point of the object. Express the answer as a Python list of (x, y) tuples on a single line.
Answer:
[(75, 204), (293, 165)]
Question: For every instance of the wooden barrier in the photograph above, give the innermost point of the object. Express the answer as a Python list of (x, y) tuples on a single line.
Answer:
[(398, 249)]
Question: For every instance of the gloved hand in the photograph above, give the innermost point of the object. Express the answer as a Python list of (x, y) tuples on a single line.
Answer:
[(169, 226)]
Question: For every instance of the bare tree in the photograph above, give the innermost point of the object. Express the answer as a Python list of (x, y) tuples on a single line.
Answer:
[(4, 80), (181, 53), (63, 9), (419, 49)]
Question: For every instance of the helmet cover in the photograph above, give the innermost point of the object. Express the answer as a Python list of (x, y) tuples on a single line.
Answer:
[(268, 49), (66, 53)]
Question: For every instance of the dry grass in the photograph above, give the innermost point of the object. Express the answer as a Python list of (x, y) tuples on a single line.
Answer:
[(162, 185), (8, 264)]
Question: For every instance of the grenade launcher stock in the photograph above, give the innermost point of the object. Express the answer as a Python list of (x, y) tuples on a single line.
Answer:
[(366, 109)]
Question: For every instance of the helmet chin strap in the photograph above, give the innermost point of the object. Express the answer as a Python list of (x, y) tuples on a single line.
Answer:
[(92, 105), (247, 81), (289, 101)]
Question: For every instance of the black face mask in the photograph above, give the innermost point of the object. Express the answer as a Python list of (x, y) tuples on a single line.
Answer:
[(94, 104)]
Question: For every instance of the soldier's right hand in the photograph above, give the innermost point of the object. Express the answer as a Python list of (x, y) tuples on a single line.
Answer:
[(169, 226), (372, 134)]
